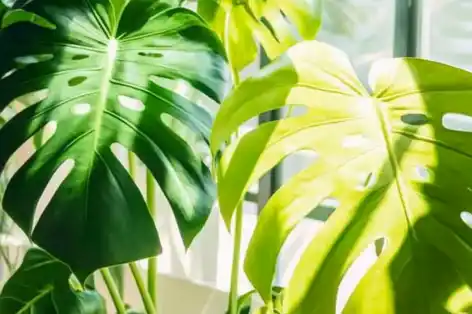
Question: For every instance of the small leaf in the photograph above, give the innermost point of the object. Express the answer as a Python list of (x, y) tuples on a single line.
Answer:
[(276, 24), (244, 303), (41, 286)]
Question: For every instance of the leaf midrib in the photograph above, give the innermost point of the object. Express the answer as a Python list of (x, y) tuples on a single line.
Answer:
[(385, 127), (101, 107), (30, 303)]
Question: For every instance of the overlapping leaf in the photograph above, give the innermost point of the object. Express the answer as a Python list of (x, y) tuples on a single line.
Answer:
[(396, 160), (276, 24), (102, 63), (41, 286)]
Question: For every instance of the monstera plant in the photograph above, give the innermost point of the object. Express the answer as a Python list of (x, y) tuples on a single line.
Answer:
[(394, 156), (103, 68), (395, 159)]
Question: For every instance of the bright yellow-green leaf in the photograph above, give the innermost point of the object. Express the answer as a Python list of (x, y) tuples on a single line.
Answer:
[(276, 24), (279, 84), (396, 160)]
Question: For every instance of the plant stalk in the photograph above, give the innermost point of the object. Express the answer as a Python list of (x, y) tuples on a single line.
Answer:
[(118, 275), (147, 301), (238, 226), (113, 291), (233, 293), (152, 262), (146, 294)]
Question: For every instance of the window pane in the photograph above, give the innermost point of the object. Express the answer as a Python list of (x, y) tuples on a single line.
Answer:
[(446, 32), (364, 29)]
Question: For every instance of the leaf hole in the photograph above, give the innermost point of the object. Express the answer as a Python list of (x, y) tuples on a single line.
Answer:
[(324, 209), (415, 119), (457, 122), (81, 109), (330, 203), (8, 73), (296, 111), (380, 245), (131, 103), (297, 162), (48, 131), (30, 99), (355, 141), (466, 218), (32, 59), (187, 91), (423, 174), (367, 181), (356, 271), (131, 162), (61, 173), (27, 149), (151, 54), (76, 80), (195, 141), (80, 57)]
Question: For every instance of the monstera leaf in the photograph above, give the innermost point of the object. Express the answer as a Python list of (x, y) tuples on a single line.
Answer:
[(3, 10), (396, 160), (106, 66), (276, 24), (41, 286)]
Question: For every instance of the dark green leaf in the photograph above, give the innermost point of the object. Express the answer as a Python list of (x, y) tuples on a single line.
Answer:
[(3, 10), (99, 65), (41, 286)]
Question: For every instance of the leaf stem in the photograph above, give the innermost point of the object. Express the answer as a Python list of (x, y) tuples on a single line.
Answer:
[(118, 275), (152, 262), (270, 307), (146, 294), (147, 301), (113, 290), (238, 226)]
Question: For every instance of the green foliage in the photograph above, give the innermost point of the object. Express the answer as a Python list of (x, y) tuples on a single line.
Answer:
[(12, 12), (133, 311), (102, 63), (3, 10), (41, 286), (245, 302), (398, 171), (276, 24), (12, 16)]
